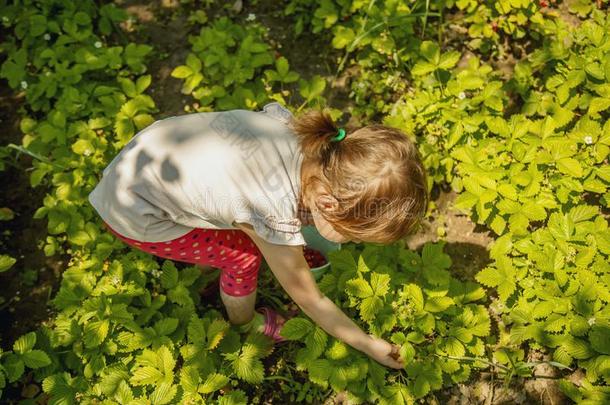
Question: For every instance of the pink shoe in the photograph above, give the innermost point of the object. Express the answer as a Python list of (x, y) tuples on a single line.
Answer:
[(273, 324)]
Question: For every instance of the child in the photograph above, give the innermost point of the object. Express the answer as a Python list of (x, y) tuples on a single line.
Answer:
[(229, 188)]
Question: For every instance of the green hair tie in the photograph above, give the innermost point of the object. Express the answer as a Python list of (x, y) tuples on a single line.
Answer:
[(339, 136)]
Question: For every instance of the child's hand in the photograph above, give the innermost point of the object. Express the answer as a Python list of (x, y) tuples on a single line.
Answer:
[(385, 353)]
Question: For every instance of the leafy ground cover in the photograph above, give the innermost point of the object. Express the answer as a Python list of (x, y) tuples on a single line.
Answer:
[(502, 296)]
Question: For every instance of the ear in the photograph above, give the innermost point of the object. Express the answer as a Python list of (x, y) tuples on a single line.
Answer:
[(326, 202)]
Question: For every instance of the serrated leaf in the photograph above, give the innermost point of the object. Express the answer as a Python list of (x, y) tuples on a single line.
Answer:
[(95, 332), (453, 347), (166, 326), (599, 336), (213, 382), (247, 366), (342, 261), (319, 371), (163, 393), (25, 343), (570, 167), (296, 328), (145, 375), (36, 359), (6, 262), (359, 288), (438, 304), (316, 342), (370, 307), (337, 351), (169, 276), (216, 332), (380, 283)]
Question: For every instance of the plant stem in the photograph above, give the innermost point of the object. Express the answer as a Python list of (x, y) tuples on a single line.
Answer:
[(492, 364), (34, 155), (277, 377)]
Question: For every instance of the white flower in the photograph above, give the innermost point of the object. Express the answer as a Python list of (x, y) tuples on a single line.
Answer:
[(97, 44), (155, 273), (588, 139), (46, 36), (462, 95), (24, 85), (251, 17), (591, 321)]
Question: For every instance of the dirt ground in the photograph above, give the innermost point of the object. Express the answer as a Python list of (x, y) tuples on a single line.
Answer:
[(25, 288)]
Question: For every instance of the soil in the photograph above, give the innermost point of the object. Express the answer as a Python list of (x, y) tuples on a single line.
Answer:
[(25, 288)]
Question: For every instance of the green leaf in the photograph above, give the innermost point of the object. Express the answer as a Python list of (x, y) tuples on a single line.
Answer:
[(570, 167), (166, 326), (438, 304), (57, 386), (193, 62), (431, 51), (599, 336), (6, 214), (213, 382), (36, 359), (342, 261), (6, 262), (583, 212), (216, 332), (316, 342), (454, 347), (182, 72), (415, 294), (147, 375), (247, 366), (169, 277), (235, 397), (343, 37), (13, 365), (358, 287), (163, 393), (422, 68), (25, 343), (501, 277), (337, 351), (142, 83), (380, 283), (370, 307), (95, 332), (449, 60), (296, 328), (319, 371)]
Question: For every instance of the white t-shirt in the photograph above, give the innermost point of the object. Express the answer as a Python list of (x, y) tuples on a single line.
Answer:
[(206, 170)]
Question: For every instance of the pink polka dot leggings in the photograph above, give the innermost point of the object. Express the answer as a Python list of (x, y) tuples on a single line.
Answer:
[(231, 250)]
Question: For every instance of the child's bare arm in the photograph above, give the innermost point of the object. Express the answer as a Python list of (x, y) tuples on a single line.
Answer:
[(293, 273)]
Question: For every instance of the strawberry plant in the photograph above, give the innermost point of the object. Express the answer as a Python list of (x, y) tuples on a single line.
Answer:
[(408, 298), (526, 152)]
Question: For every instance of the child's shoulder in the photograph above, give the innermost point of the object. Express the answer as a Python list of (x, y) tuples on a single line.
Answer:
[(277, 111)]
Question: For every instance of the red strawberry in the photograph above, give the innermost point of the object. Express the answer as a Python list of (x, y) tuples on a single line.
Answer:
[(314, 258)]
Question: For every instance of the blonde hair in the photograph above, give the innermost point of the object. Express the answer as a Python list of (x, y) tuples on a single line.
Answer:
[(375, 173)]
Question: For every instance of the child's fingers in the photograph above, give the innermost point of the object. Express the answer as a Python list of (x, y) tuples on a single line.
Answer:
[(395, 353)]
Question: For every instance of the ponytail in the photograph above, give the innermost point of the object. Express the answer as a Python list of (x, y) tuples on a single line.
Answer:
[(315, 129)]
